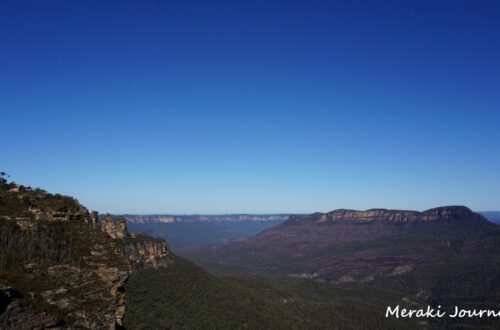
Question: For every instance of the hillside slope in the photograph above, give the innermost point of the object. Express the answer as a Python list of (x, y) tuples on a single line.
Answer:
[(346, 245), (184, 296), (448, 256), (493, 216)]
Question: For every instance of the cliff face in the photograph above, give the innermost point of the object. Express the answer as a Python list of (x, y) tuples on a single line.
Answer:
[(445, 213), (204, 218), (140, 249), (60, 266), (144, 250), (115, 228)]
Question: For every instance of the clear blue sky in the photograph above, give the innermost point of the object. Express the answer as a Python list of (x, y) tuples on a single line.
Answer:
[(253, 106)]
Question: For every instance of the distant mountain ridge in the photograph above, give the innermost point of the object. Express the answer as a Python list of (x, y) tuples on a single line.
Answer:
[(393, 215), (439, 213), (165, 218), (367, 260), (348, 245), (493, 216)]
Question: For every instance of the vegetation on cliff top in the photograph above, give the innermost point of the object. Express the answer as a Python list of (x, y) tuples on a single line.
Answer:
[(57, 267)]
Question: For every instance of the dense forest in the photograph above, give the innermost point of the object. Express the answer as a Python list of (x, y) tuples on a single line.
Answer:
[(184, 296)]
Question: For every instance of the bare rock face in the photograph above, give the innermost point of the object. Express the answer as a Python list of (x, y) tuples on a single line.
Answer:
[(94, 218), (148, 251), (445, 213), (65, 209), (140, 249), (115, 228), (71, 274), (115, 279)]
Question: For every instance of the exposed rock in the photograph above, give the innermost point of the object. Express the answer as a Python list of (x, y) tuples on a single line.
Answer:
[(24, 223), (115, 228), (15, 316), (345, 279), (363, 246), (82, 287), (116, 279), (147, 250), (15, 188), (401, 270), (204, 218), (80, 271), (140, 249), (446, 213), (94, 218)]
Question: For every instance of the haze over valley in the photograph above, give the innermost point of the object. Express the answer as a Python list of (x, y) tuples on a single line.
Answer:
[(184, 231)]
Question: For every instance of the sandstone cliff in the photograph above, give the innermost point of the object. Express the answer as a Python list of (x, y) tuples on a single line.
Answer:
[(60, 267), (140, 249), (445, 213)]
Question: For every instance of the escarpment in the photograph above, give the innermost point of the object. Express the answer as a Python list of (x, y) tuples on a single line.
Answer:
[(141, 249), (358, 246), (60, 266), (445, 213)]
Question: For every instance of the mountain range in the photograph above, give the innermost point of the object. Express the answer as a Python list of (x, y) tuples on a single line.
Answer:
[(348, 245), (447, 256), (165, 218), (211, 218), (63, 267), (188, 231)]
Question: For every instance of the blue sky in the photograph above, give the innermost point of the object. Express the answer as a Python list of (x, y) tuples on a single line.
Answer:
[(253, 106)]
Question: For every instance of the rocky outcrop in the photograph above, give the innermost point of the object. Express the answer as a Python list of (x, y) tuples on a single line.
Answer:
[(115, 279), (140, 249), (94, 218), (445, 213), (115, 228), (66, 261), (98, 287), (13, 315)]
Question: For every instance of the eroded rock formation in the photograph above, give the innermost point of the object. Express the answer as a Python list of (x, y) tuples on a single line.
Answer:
[(115, 228), (140, 249), (71, 268)]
